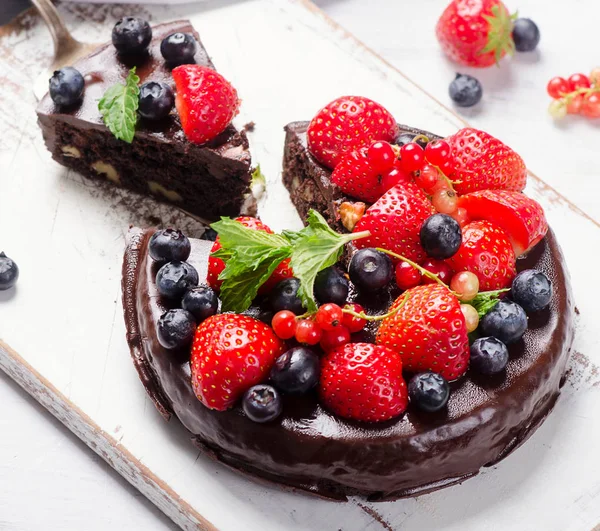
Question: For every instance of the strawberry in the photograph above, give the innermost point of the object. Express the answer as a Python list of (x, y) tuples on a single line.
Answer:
[(428, 331), (230, 354), (347, 124), (206, 102), (520, 216), (476, 32), (395, 221), (216, 265), (481, 162), (486, 251), (362, 381)]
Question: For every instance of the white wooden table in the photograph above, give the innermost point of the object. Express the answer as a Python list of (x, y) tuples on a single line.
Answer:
[(37, 455)]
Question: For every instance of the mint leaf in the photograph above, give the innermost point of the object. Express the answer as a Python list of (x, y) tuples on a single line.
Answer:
[(486, 300), (119, 107)]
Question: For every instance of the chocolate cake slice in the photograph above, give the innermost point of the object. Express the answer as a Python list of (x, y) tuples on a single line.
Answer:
[(209, 180)]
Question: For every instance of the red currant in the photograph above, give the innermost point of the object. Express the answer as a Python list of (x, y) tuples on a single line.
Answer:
[(440, 268), (557, 109), (407, 276), (392, 178), (465, 284), (412, 157), (461, 215), (445, 201), (284, 324), (427, 178), (591, 105), (381, 156), (329, 316), (308, 332), (351, 322), (471, 317), (558, 87), (574, 106), (579, 81), (335, 338), (437, 152)]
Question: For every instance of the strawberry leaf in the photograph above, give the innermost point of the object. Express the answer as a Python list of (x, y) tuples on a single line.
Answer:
[(119, 107), (486, 300), (500, 38)]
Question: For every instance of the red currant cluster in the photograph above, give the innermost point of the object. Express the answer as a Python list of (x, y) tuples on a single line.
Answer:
[(330, 326), (579, 94)]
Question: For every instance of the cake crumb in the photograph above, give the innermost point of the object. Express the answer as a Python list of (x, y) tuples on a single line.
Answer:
[(249, 127)]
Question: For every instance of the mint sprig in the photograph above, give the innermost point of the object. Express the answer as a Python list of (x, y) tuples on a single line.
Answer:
[(119, 106), (484, 301)]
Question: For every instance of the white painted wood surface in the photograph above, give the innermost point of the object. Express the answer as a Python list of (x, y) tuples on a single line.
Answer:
[(78, 344)]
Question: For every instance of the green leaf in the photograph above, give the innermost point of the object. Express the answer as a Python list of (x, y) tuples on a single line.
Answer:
[(499, 33), (486, 300), (119, 107)]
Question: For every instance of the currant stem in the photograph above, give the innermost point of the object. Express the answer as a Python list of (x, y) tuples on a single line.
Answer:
[(365, 317), (421, 137), (423, 271)]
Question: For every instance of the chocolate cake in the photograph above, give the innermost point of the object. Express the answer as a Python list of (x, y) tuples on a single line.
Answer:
[(208, 180)]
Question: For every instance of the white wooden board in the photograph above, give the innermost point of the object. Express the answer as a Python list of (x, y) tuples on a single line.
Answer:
[(65, 319)]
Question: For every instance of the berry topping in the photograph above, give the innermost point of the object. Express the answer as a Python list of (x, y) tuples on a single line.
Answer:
[(131, 35), (486, 251), (407, 276), (230, 354), (412, 157), (284, 324), (525, 34), (296, 371), (465, 90), (427, 178), (329, 317), (308, 332), (209, 235), (352, 322), (466, 285), (333, 339), (428, 391), (156, 100), (347, 124), (206, 102), (284, 296), (175, 278), (9, 272), (179, 49), (532, 290), (176, 329), (438, 267), (428, 331), (471, 317), (370, 269), (488, 355), (363, 382), (437, 152), (168, 245), (480, 162), (441, 236), (66, 87), (506, 321), (445, 201), (579, 81), (381, 156), (590, 106), (202, 302), (262, 403), (557, 87), (331, 286)]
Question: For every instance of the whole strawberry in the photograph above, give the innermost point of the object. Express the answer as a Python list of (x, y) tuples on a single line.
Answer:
[(362, 381), (395, 220), (230, 354), (481, 162), (206, 102), (520, 216), (347, 124), (486, 251), (476, 32), (428, 331)]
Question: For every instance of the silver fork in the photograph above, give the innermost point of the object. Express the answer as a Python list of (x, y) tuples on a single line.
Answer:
[(66, 49)]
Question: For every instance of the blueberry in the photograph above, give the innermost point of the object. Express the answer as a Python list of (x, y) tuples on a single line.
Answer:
[(179, 49), (465, 90), (201, 302), (169, 245), (262, 403), (296, 371), (441, 236), (526, 35), (428, 391), (9, 272), (488, 355), (175, 278), (532, 290), (131, 35), (266, 316), (284, 296), (176, 329), (66, 87), (156, 100), (209, 235), (370, 269), (407, 138), (331, 286), (506, 321)]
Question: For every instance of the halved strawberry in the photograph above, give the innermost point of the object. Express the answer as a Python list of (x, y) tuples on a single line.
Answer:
[(395, 220), (520, 216), (230, 354), (205, 100), (481, 162), (428, 331), (347, 124), (486, 251)]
